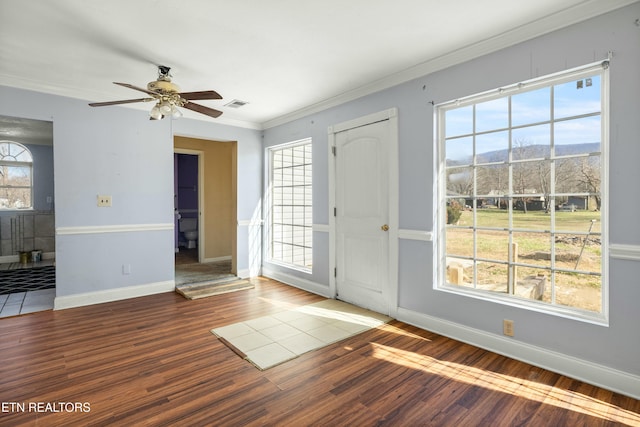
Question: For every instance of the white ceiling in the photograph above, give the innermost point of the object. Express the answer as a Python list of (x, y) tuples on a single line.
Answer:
[(284, 57)]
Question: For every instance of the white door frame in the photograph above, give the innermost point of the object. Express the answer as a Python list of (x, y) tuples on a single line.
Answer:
[(392, 116), (201, 224)]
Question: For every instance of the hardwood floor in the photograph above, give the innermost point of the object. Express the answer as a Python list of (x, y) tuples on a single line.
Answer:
[(153, 361)]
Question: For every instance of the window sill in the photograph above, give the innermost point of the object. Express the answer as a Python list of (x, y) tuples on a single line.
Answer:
[(599, 319)]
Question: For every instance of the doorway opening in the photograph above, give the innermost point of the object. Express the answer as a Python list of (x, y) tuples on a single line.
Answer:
[(27, 218), (204, 209), (188, 225)]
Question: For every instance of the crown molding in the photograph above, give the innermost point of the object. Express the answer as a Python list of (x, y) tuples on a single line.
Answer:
[(545, 25)]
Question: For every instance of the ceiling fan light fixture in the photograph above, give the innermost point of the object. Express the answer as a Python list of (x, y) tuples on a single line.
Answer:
[(175, 113), (168, 98), (166, 107), (155, 112)]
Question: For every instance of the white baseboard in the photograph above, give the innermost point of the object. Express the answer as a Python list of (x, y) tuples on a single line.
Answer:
[(297, 282), (220, 258), (244, 273), (589, 372), (108, 295)]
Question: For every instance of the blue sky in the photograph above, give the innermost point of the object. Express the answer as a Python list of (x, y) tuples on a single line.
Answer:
[(528, 108)]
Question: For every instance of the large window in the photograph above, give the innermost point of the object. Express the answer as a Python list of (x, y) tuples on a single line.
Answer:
[(16, 165), (522, 190), (290, 214)]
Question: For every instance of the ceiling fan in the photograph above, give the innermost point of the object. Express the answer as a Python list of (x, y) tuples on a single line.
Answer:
[(168, 97)]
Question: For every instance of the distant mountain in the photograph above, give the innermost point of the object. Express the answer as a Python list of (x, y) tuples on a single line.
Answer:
[(533, 150)]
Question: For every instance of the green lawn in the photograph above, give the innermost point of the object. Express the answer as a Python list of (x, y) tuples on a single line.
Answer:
[(579, 221), (534, 245)]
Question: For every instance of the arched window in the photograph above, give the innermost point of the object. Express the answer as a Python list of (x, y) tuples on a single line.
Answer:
[(16, 176)]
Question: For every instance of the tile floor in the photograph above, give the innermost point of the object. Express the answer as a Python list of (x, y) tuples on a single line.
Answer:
[(26, 302), (32, 301), (270, 340)]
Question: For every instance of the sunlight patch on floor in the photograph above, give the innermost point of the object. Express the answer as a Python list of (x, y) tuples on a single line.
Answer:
[(519, 387)]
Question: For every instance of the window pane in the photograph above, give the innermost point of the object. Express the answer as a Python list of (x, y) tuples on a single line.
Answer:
[(492, 115), (531, 283), (531, 107), (459, 242), (529, 214), (492, 277), (577, 136), (493, 182), (492, 147), (277, 159), (577, 97), (532, 248), (460, 272), (578, 221), (492, 245), (579, 291), (17, 176), (492, 216), (531, 142), (459, 151), (460, 182), (566, 172), (15, 198), (459, 121)]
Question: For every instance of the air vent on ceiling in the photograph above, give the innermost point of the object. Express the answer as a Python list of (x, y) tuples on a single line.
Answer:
[(236, 103)]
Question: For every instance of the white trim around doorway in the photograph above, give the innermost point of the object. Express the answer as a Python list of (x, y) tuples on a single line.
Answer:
[(394, 199)]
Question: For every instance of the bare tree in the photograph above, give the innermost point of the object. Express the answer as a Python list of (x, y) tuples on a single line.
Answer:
[(521, 170), (589, 177), (460, 181)]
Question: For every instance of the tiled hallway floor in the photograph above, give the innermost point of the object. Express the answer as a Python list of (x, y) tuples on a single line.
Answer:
[(17, 303), (26, 302)]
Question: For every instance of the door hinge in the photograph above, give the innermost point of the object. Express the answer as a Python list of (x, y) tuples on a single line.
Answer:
[(335, 272), (335, 211), (333, 150)]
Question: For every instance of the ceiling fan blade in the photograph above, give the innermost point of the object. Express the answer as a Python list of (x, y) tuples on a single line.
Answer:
[(150, 92), (204, 94), (202, 109), (125, 101)]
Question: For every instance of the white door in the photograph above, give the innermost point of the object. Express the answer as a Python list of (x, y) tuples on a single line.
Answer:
[(362, 216)]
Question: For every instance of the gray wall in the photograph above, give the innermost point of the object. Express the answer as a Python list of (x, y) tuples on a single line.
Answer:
[(119, 152), (616, 345)]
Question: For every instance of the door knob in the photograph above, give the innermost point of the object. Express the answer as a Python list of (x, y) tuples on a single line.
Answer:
[(385, 227)]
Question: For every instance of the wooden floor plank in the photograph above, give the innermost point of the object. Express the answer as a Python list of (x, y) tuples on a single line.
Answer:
[(153, 361)]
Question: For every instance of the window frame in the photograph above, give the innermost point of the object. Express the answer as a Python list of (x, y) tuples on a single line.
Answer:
[(15, 163), (307, 207), (441, 284)]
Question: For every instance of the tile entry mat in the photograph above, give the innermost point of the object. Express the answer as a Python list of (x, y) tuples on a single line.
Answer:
[(271, 340)]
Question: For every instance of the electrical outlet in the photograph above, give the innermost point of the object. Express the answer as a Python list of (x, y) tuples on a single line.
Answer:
[(104, 201), (126, 269), (507, 327)]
